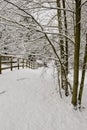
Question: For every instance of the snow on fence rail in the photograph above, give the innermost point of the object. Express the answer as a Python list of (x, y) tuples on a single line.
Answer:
[(10, 62)]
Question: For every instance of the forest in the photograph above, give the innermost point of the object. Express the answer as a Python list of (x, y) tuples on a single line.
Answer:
[(50, 31)]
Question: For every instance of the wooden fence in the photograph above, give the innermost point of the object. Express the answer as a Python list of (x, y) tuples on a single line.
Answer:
[(10, 62)]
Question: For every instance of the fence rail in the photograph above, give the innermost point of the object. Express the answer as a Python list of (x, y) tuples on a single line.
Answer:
[(10, 62)]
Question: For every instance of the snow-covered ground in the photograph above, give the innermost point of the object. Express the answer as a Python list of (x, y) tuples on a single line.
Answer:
[(29, 101)]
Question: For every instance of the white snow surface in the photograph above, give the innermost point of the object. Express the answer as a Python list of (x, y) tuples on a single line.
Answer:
[(29, 101)]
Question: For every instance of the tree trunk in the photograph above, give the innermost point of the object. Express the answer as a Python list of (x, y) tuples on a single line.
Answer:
[(64, 69), (66, 44), (0, 64), (76, 52), (61, 41), (66, 40), (83, 74)]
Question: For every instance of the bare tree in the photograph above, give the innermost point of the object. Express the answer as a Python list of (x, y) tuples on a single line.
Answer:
[(76, 51), (83, 75)]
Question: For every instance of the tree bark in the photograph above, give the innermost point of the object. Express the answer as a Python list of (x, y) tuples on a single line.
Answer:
[(76, 52), (66, 40), (83, 74), (61, 40), (0, 64)]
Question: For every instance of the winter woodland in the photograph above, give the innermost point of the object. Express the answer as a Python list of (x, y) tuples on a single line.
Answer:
[(51, 32)]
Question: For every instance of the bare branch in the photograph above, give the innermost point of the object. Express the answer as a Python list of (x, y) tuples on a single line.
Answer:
[(37, 22), (83, 3)]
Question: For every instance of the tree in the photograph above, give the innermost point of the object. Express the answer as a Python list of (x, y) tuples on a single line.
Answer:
[(61, 41), (66, 40), (76, 51), (83, 75)]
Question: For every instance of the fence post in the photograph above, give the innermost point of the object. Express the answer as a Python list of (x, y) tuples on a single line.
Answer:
[(0, 65), (26, 63), (11, 63), (18, 63), (23, 64), (29, 63)]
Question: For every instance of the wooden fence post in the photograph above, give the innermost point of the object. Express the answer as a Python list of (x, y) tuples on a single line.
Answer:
[(29, 63), (23, 64), (18, 63), (11, 63), (32, 65), (0, 65), (26, 63)]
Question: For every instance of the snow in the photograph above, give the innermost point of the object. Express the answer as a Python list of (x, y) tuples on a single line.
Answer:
[(29, 101)]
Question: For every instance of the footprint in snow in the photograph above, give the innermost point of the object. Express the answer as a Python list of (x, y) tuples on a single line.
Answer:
[(22, 79), (2, 92)]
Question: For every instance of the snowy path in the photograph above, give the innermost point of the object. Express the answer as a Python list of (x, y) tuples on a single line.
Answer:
[(28, 101)]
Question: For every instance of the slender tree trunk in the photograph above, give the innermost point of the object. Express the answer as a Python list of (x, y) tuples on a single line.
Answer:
[(66, 45), (66, 40), (58, 77), (0, 64), (64, 83), (61, 40), (76, 52), (83, 74)]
